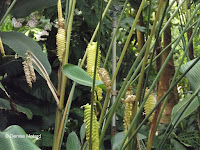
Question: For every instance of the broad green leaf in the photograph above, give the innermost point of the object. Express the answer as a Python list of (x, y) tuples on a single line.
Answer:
[(193, 75), (73, 142), (2, 87), (178, 108), (21, 44), (78, 75), (5, 104), (25, 7), (116, 140), (14, 138)]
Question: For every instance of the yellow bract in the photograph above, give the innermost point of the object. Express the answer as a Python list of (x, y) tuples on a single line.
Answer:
[(61, 43), (149, 105), (95, 127)]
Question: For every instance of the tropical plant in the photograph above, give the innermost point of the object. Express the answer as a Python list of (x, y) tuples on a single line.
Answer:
[(60, 102)]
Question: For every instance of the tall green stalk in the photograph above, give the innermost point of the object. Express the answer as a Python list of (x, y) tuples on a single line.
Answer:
[(161, 100), (94, 76), (159, 73), (64, 78), (118, 66)]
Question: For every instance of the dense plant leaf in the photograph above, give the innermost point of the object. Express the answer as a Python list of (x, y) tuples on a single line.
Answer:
[(116, 140), (9, 140), (178, 108), (177, 145), (78, 75), (89, 15), (23, 7), (46, 139), (21, 44), (12, 67), (82, 132), (5, 104), (193, 75), (73, 142)]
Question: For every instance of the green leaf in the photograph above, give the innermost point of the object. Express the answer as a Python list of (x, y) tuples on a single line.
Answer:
[(193, 75), (14, 138), (21, 44), (73, 142), (46, 139), (78, 75), (82, 132), (116, 140), (5, 104), (178, 108), (23, 7), (177, 145)]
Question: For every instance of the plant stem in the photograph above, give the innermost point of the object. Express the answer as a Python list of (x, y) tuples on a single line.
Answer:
[(8, 11), (64, 78), (118, 65), (95, 32), (164, 96), (94, 76)]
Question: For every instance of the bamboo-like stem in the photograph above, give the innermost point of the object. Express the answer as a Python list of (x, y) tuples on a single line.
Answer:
[(64, 78), (157, 77), (177, 70), (170, 126), (8, 11), (94, 76), (161, 100), (105, 104), (118, 65), (114, 35), (65, 118), (95, 32), (140, 82)]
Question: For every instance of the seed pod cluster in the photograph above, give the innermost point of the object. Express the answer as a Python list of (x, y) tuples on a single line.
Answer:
[(104, 75), (29, 70), (95, 127), (61, 35), (149, 105), (91, 54), (2, 48), (129, 100), (61, 43)]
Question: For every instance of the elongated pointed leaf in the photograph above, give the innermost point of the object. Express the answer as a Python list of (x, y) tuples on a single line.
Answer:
[(5, 104), (78, 75), (178, 108), (193, 75), (14, 138), (73, 142), (21, 44)]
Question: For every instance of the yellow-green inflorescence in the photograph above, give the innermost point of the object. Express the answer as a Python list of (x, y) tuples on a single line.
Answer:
[(149, 105), (95, 127), (91, 54)]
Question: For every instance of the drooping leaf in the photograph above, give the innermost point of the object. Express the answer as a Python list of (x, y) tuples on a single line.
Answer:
[(21, 44), (23, 7), (9, 140), (78, 75), (5, 104), (178, 108), (73, 142), (193, 75)]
